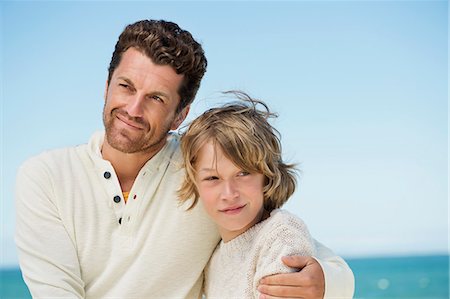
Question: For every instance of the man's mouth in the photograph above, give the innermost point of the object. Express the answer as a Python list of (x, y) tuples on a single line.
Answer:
[(128, 122)]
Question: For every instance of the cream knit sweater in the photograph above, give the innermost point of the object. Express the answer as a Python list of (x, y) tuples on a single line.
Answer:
[(237, 266), (77, 239)]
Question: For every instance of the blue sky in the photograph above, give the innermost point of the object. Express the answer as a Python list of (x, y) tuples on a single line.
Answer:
[(361, 90)]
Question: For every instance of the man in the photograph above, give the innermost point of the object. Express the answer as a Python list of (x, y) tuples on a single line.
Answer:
[(102, 220)]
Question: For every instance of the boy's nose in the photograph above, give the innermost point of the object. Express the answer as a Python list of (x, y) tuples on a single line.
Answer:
[(229, 191)]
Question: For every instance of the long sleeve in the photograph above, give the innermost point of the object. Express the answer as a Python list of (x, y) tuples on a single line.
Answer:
[(287, 237), (47, 255), (236, 267), (339, 279), (76, 240)]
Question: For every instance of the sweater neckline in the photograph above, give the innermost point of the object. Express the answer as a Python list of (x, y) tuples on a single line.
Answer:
[(245, 239)]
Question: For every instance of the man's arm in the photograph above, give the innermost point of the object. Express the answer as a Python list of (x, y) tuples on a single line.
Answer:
[(47, 255), (324, 276)]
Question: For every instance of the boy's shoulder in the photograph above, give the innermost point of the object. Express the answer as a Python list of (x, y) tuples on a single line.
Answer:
[(284, 218), (283, 224)]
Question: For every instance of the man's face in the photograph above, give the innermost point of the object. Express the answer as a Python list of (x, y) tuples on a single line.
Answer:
[(140, 104)]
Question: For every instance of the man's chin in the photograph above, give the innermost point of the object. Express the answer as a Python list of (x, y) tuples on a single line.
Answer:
[(129, 143), (125, 144), (124, 148)]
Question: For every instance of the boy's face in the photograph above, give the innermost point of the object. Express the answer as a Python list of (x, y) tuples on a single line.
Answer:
[(233, 198)]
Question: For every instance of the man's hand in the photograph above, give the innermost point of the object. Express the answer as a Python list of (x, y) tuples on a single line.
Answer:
[(308, 283)]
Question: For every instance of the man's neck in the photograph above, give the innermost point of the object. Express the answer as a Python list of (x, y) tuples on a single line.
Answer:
[(126, 166)]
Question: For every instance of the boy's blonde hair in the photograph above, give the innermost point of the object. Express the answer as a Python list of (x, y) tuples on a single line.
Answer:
[(248, 140)]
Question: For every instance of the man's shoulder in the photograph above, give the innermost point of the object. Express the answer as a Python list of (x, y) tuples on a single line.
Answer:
[(52, 157), (61, 154), (173, 150)]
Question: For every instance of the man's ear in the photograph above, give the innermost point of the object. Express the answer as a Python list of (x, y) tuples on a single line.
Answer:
[(180, 117), (106, 90)]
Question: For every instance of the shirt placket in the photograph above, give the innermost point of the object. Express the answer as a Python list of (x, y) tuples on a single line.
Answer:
[(115, 196)]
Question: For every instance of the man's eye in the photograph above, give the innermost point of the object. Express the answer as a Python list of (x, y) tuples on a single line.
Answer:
[(157, 98), (124, 86), (243, 173)]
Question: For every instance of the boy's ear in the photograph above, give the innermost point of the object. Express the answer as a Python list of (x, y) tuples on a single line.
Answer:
[(180, 117)]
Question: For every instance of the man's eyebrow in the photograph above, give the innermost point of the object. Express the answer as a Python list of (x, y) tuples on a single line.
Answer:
[(161, 94), (158, 93), (126, 80)]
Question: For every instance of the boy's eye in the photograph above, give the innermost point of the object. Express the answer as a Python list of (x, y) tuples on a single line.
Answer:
[(243, 173), (211, 178)]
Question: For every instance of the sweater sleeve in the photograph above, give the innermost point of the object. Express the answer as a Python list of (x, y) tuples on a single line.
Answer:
[(47, 255), (287, 237), (339, 279)]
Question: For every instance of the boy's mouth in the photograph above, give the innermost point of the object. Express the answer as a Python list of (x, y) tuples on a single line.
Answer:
[(233, 209)]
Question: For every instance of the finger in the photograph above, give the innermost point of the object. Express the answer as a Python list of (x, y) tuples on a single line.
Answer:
[(297, 261), (285, 279), (272, 297), (281, 291)]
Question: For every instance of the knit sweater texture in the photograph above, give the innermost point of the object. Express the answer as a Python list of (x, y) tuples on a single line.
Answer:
[(76, 238), (237, 266)]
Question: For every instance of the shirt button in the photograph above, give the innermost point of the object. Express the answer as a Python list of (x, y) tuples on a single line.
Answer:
[(107, 175), (116, 199)]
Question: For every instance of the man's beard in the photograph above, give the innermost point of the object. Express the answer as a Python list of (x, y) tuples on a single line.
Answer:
[(126, 142)]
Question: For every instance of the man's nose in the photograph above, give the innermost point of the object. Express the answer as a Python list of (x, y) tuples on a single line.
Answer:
[(135, 106)]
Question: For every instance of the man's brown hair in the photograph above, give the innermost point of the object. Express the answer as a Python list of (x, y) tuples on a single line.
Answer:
[(165, 43)]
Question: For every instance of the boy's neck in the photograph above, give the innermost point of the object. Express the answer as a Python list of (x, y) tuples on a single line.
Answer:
[(230, 235)]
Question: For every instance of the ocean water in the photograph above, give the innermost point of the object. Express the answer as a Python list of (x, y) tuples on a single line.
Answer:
[(12, 285), (425, 277), (401, 277)]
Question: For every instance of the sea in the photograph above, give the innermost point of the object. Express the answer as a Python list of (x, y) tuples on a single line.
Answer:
[(409, 277)]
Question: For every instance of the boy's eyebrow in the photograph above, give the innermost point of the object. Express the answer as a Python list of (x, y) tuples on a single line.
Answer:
[(205, 169)]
